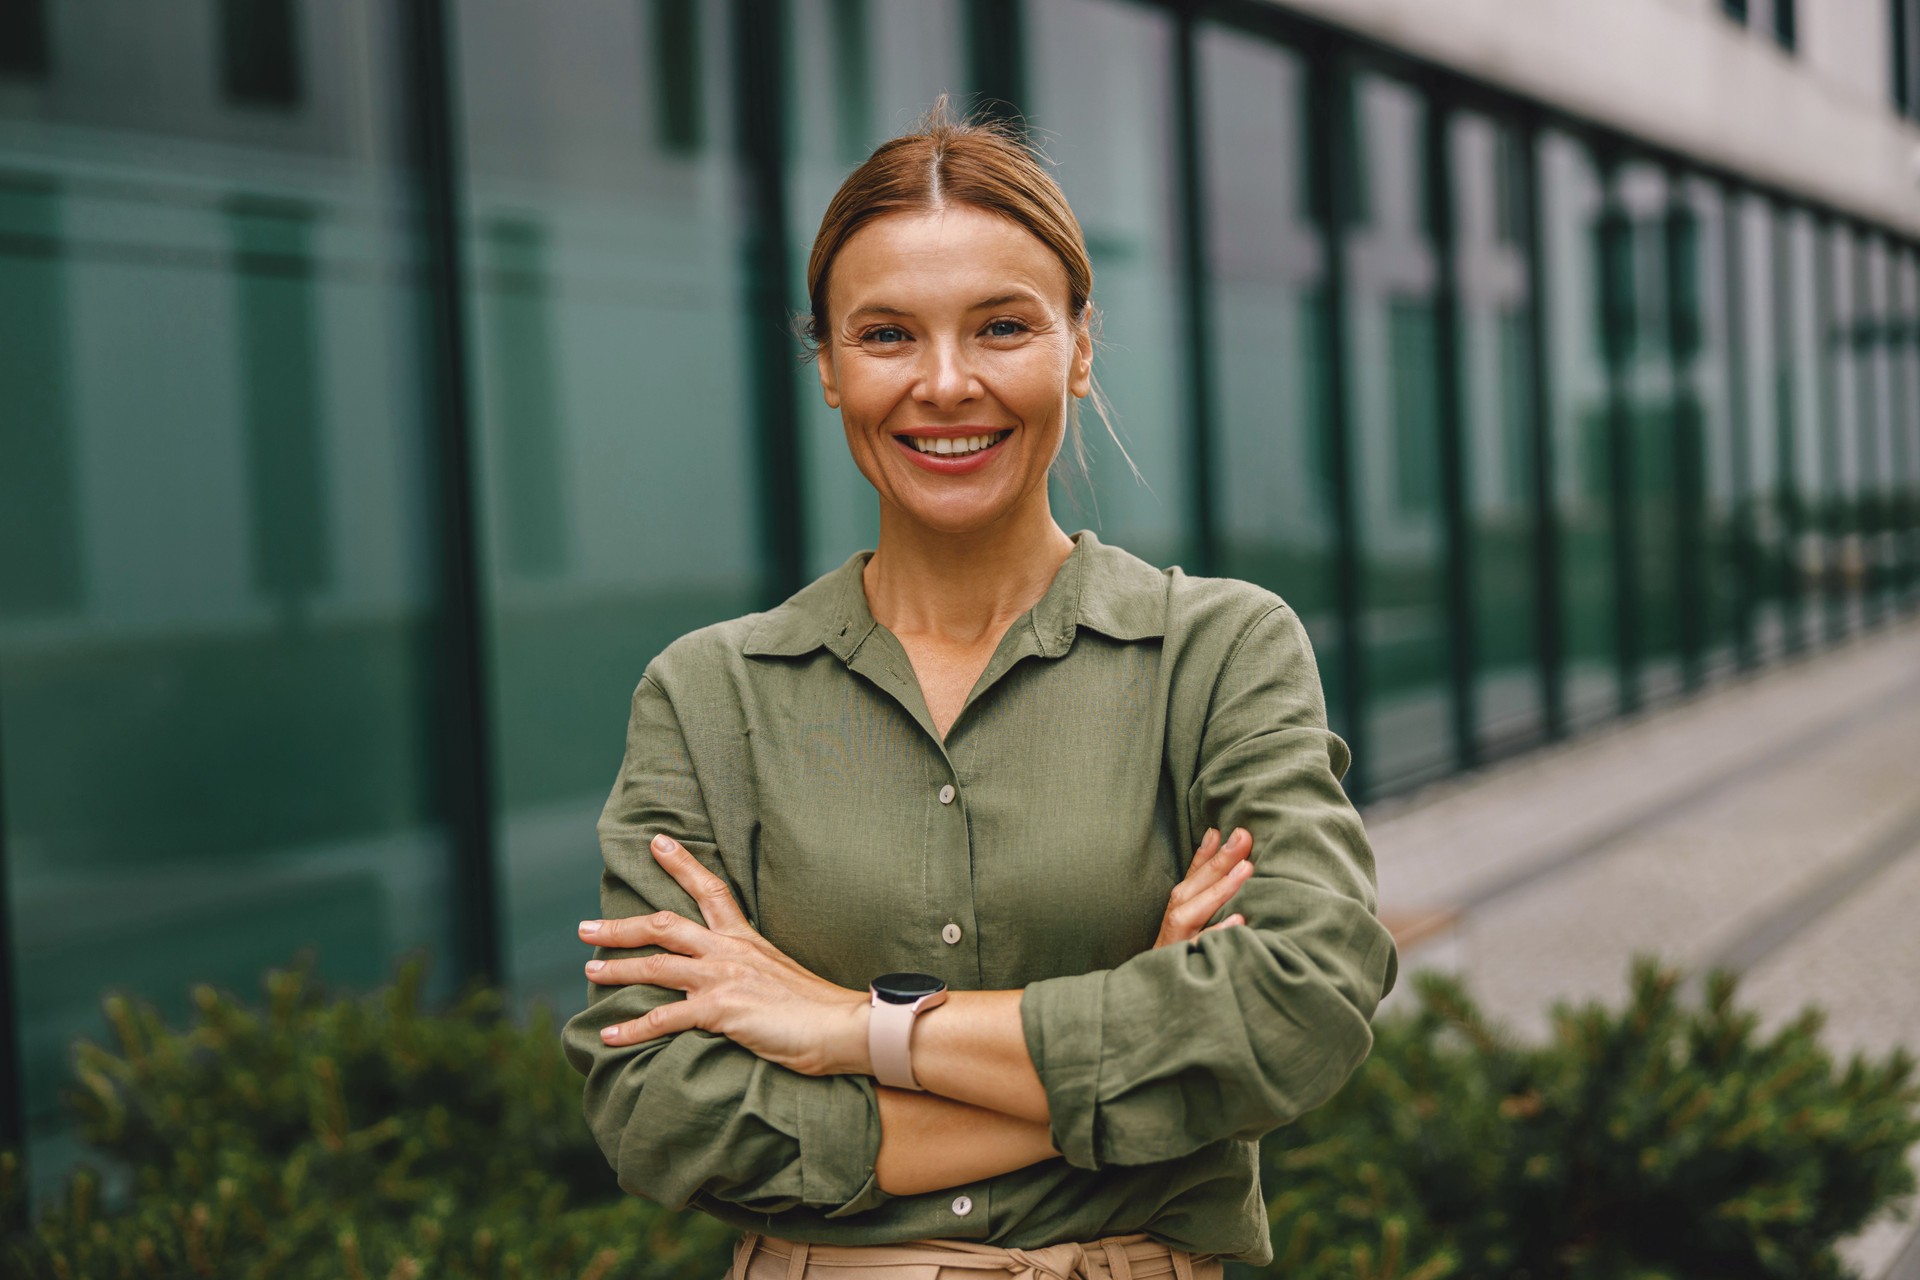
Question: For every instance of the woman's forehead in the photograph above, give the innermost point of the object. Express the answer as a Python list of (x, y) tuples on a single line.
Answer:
[(958, 255)]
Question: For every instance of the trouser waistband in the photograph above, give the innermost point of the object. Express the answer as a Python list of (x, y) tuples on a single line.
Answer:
[(1136, 1256)]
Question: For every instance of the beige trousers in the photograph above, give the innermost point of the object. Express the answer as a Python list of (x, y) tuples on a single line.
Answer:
[(1135, 1256)]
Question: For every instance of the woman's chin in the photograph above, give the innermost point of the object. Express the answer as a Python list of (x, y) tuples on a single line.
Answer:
[(956, 514)]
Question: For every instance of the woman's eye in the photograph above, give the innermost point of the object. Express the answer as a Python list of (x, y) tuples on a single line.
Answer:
[(1005, 328), (886, 333)]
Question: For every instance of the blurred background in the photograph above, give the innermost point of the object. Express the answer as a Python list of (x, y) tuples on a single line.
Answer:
[(382, 384)]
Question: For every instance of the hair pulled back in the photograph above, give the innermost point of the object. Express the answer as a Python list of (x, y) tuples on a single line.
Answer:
[(982, 163)]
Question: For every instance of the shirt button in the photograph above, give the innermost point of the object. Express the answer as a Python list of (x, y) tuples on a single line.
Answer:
[(950, 934), (946, 794), (962, 1205)]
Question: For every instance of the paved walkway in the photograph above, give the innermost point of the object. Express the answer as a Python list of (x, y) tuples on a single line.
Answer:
[(1769, 825)]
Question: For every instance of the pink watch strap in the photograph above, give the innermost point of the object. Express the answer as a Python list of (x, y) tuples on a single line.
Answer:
[(890, 1038)]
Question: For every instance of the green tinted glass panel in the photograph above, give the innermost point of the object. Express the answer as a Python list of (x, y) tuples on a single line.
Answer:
[(1658, 432), (612, 407), (1393, 382), (1709, 483), (1846, 437), (1806, 465), (1270, 354), (1496, 357), (217, 676), (1100, 77), (1757, 332), (1878, 465), (1577, 379)]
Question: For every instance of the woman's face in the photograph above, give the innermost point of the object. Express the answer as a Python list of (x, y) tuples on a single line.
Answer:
[(948, 331)]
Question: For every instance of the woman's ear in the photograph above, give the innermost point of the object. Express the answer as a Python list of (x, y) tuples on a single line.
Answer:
[(829, 381), (1080, 377)]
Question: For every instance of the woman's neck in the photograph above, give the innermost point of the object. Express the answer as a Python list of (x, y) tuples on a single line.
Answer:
[(965, 588)]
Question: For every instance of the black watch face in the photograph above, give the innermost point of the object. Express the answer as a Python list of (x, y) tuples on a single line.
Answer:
[(905, 988)]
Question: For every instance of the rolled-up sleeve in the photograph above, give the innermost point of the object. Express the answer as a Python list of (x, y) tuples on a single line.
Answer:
[(693, 1112), (1240, 1030)]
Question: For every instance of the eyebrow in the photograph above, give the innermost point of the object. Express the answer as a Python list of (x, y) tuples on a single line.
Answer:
[(997, 300)]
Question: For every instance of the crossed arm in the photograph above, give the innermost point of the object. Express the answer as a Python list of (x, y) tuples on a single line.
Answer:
[(983, 1110)]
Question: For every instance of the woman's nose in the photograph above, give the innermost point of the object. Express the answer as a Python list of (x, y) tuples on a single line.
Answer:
[(946, 375)]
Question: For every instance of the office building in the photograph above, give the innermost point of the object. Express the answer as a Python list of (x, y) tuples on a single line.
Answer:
[(384, 382)]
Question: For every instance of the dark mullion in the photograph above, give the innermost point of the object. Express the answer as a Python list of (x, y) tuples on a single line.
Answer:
[(463, 727), (1197, 295), (1616, 239), (1791, 501), (1689, 446), (760, 58), (1832, 523), (1904, 341), (996, 57), (1450, 321), (1546, 564), (1739, 410), (1330, 147)]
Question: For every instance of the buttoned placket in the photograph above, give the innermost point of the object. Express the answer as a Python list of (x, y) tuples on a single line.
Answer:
[(873, 651)]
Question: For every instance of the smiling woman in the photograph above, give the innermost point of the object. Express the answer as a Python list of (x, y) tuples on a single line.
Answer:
[(916, 954)]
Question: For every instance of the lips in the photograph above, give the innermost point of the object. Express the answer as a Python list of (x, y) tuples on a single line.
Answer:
[(955, 446), (916, 443)]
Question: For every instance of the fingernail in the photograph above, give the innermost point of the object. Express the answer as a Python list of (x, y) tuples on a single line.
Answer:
[(595, 966), (589, 927), (663, 843), (608, 1033)]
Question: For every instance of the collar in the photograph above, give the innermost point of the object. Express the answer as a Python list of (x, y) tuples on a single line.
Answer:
[(1099, 586)]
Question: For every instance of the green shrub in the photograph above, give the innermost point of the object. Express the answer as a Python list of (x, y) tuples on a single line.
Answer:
[(360, 1137), (323, 1137), (1666, 1141)]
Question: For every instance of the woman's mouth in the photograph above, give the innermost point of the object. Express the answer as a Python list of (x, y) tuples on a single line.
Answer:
[(950, 455), (956, 446)]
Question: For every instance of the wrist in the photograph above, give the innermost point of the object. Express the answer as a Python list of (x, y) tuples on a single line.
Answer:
[(846, 1041)]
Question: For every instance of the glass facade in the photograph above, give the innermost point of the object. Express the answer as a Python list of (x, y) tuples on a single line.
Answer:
[(366, 431), (219, 613)]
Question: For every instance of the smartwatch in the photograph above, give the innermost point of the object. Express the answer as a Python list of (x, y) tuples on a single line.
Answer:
[(896, 999)]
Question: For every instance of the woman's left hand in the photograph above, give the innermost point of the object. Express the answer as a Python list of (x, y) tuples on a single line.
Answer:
[(737, 983)]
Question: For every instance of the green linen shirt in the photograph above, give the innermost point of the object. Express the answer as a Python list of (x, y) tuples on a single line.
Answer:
[(1123, 714)]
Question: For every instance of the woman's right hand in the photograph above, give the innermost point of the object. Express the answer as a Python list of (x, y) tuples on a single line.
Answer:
[(1216, 875)]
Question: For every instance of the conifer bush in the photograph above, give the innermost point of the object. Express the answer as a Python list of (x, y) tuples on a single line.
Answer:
[(1664, 1141), (318, 1135), (323, 1136)]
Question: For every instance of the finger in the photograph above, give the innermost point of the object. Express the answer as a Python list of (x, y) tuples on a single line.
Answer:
[(1205, 874), (662, 969), (1202, 903), (1203, 857), (716, 902), (667, 929), (662, 1020), (1235, 918)]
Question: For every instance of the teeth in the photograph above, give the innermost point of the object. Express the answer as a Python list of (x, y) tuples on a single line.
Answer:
[(954, 444)]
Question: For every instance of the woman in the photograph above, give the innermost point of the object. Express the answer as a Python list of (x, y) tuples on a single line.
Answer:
[(900, 968)]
